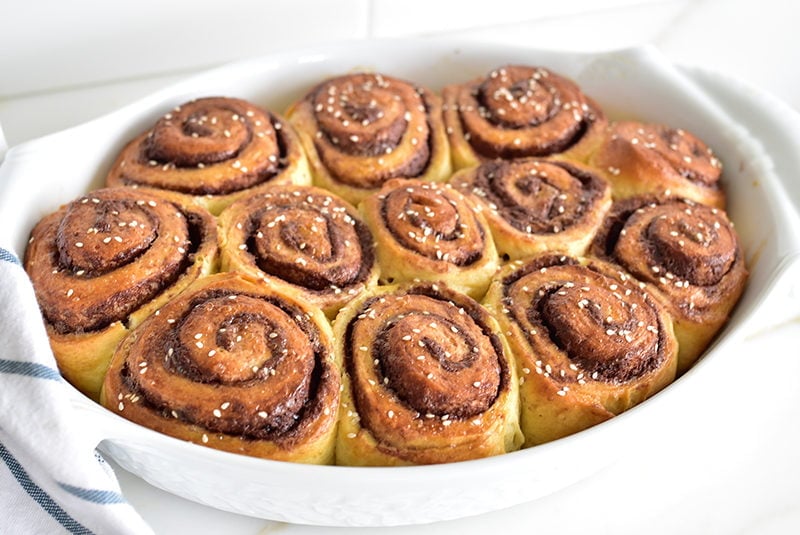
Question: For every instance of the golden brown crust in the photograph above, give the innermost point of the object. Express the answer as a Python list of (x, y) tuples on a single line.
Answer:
[(303, 239), (361, 130), (103, 262), (216, 149), (426, 231), (689, 251), (537, 205), (589, 340), (641, 158), (428, 379), (233, 365), (598, 307), (519, 111)]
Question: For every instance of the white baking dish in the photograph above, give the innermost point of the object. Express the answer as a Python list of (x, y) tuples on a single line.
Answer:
[(756, 137)]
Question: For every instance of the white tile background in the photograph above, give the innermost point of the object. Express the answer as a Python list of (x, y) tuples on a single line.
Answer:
[(64, 62)]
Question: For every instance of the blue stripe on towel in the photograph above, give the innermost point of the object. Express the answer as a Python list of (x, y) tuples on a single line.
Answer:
[(31, 369), (42, 498), (8, 256), (103, 497)]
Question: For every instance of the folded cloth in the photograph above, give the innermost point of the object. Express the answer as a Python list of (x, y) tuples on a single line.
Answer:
[(51, 478)]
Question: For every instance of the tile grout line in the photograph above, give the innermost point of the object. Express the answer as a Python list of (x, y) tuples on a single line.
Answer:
[(553, 18), (369, 12), (186, 71)]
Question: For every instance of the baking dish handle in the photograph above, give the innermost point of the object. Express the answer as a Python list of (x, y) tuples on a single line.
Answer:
[(781, 302), (3, 145)]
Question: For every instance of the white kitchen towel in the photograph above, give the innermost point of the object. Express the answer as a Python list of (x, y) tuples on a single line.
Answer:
[(51, 478)]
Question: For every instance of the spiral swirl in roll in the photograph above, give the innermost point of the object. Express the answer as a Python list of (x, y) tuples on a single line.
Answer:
[(590, 341), (215, 148), (691, 252), (361, 130), (232, 365), (518, 111), (430, 379), (427, 231), (641, 158), (104, 261), (303, 239), (537, 205)]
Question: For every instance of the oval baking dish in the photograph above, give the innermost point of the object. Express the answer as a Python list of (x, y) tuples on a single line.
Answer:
[(745, 129)]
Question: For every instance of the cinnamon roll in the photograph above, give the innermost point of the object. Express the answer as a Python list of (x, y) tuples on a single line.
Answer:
[(537, 205), (518, 111), (102, 263), (216, 149), (590, 341), (232, 365), (427, 231), (640, 158), (361, 130), (690, 251), (428, 379), (302, 239)]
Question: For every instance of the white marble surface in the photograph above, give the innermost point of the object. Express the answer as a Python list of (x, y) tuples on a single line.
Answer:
[(68, 65)]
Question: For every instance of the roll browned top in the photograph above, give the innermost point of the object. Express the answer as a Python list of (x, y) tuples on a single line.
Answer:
[(518, 111), (430, 231), (214, 148), (643, 158), (301, 237), (690, 251), (233, 365), (537, 205), (589, 339), (608, 328), (430, 378), (361, 130), (106, 254)]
